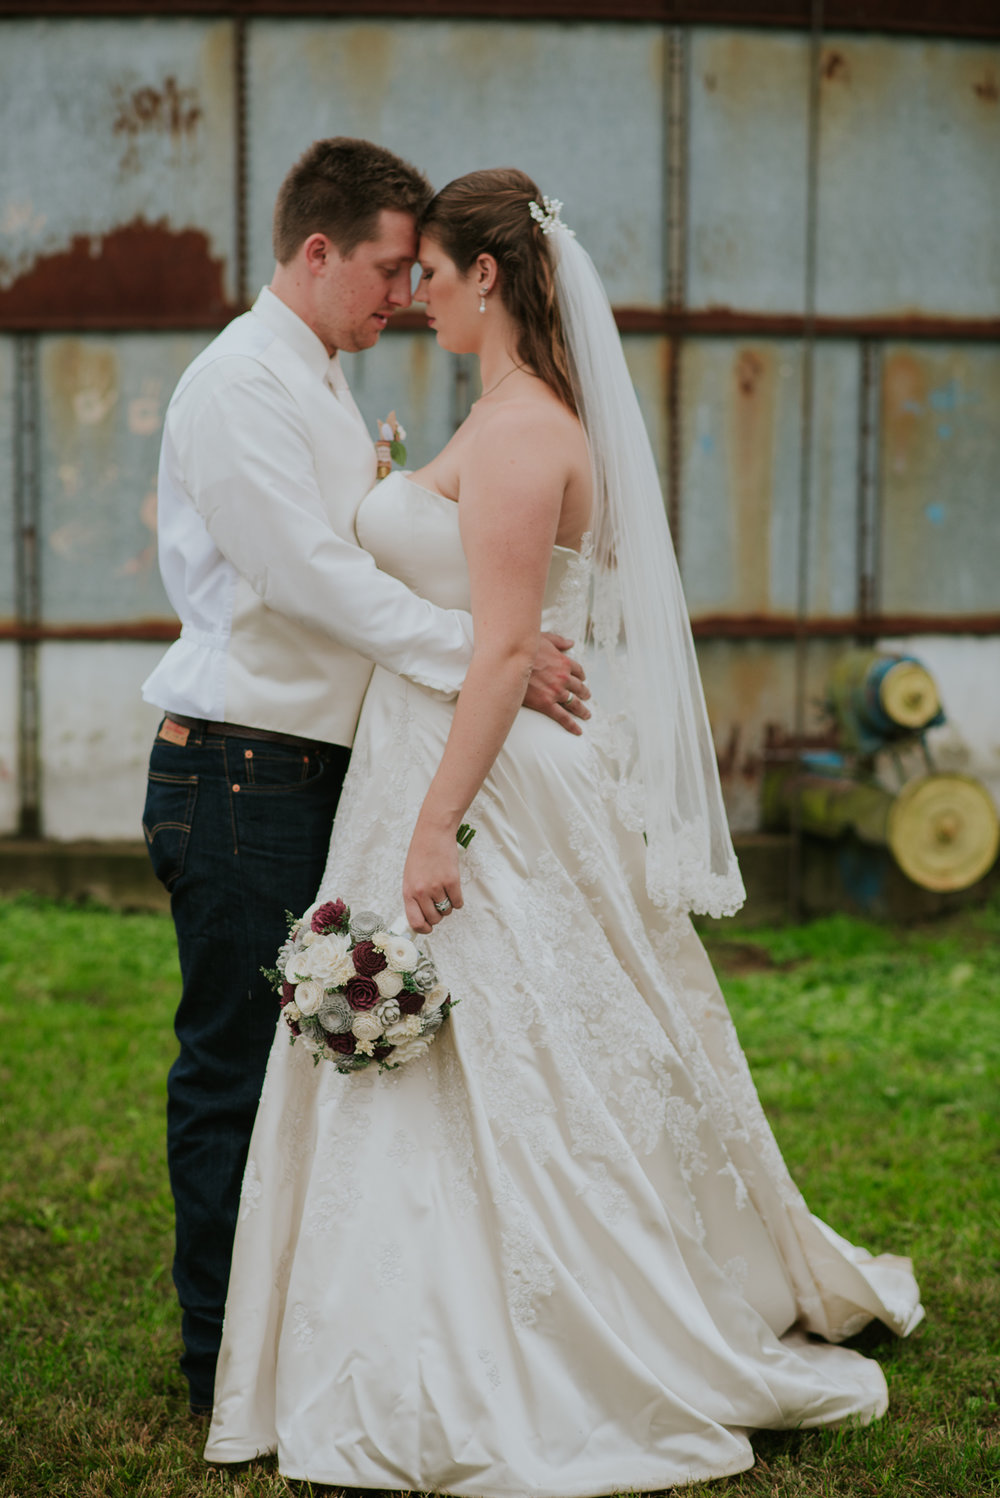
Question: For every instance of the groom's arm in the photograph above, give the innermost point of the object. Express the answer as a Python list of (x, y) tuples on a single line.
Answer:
[(246, 462)]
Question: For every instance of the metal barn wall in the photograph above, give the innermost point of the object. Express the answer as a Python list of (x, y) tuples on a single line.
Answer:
[(799, 229)]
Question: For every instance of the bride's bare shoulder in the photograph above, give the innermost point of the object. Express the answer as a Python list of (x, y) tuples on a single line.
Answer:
[(531, 420)]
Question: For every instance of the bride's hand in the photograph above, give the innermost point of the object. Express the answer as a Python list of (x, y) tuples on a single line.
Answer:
[(557, 687), (430, 877)]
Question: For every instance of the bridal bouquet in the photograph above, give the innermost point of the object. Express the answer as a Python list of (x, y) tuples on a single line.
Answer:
[(355, 992)]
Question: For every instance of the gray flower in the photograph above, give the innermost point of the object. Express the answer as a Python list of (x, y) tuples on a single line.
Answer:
[(364, 923), (336, 1015), (432, 1022), (424, 974), (388, 1012)]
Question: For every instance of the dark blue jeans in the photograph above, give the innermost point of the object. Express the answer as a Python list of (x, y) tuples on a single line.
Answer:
[(238, 831)]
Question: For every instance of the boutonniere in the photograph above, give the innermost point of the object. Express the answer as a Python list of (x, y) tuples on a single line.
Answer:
[(389, 447)]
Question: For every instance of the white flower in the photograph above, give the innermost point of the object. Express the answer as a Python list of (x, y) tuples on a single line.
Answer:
[(410, 1050), (400, 954), (297, 966), (309, 996), (436, 997), (380, 938), (366, 1048), (367, 1027), (292, 1013), (388, 983), (400, 433), (385, 431), (309, 937), (330, 961), (407, 1028)]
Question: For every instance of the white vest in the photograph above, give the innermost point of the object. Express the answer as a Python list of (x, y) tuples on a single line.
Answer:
[(262, 471)]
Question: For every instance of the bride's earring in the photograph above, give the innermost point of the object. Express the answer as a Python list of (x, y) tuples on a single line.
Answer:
[(482, 301)]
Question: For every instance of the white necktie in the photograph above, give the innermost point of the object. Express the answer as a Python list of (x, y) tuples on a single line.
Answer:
[(337, 382)]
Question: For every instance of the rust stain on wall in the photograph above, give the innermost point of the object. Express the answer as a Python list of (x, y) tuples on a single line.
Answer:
[(986, 88), (170, 109), (751, 421), (834, 67), (141, 272)]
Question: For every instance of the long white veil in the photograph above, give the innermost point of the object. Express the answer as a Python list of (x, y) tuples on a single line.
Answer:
[(668, 778)]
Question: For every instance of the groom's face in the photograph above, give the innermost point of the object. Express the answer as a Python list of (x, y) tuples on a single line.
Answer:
[(360, 292)]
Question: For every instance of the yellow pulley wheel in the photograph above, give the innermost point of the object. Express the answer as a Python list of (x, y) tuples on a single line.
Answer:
[(944, 831), (907, 695)]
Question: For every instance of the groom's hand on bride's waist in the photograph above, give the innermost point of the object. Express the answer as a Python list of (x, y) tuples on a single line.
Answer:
[(557, 686)]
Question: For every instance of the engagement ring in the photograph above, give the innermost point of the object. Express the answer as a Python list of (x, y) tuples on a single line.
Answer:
[(442, 905)]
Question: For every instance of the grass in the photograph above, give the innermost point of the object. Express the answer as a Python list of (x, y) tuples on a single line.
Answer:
[(876, 1052)]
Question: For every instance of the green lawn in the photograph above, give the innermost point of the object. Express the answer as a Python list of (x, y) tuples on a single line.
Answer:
[(876, 1052)]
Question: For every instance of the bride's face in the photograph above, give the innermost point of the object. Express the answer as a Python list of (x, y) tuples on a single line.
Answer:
[(451, 299)]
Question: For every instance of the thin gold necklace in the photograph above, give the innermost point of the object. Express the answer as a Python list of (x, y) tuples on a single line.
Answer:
[(499, 382)]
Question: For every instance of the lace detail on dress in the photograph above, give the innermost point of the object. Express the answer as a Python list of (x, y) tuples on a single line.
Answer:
[(251, 1190)]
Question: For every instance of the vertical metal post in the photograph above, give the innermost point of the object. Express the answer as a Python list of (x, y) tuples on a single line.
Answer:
[(675, 90), (869, 488), (27, 582), (807, 425)]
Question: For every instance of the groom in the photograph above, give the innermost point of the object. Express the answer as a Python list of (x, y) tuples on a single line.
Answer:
[(265, 460)]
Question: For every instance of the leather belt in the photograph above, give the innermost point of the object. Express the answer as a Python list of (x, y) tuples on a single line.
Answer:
[(239, 731)]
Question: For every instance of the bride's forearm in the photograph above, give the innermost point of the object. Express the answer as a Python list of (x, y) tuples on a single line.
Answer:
[(487, 706)]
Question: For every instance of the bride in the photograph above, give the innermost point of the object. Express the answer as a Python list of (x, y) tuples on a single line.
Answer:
[(557, 1253)]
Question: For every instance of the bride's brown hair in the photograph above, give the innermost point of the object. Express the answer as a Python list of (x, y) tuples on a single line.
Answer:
[(486, 213)]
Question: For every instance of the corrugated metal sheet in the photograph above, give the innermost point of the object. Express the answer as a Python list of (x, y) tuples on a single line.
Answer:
[(740, 485), (101, 417), (96, 733), (939, 479), (9, 715), (909, 178), (116, 159), (578, 107), (8, 478), (747, 148), (749, 691)]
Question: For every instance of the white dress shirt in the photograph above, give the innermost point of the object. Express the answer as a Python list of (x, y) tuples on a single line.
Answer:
[(264, 463)]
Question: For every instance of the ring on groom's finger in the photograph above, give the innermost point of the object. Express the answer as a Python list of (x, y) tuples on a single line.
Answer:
[(442, 906), (567, 700)]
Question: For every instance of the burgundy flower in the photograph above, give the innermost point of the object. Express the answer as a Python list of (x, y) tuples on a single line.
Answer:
[(362, 993), (410, 1003), (294, 1026), (287, 993), (330, 917), (345, 1045), (368, 960)]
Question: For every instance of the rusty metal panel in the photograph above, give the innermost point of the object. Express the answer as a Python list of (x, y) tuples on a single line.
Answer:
[(96, 734), (647, 360), (747, 170), (8, 478), (741, 441), (117, 160), (750, 695), (909, 178), (9, 712), (577, 106), (939, 466), (102, 401)]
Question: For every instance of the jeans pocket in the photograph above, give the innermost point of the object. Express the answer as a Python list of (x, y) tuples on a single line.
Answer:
[(166, 822), (268, 769)]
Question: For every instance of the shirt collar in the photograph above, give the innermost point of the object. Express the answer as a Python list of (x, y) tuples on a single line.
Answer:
[(290, 328)]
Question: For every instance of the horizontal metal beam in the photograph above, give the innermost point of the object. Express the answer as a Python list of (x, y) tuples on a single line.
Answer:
[(706, 627), (675, 323), (963, 18)]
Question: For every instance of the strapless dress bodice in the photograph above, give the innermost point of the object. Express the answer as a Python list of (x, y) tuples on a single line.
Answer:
[(412, 532)]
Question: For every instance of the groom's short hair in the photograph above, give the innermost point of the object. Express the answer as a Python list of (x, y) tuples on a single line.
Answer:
[(338, 188)]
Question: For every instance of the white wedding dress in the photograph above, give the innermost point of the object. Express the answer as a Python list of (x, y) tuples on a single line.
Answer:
[(561, 1253)]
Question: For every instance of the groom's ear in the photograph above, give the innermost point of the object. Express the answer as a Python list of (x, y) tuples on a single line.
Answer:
[(316, 252)]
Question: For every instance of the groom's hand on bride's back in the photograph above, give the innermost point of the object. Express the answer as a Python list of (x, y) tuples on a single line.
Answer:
[(557, 686)]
